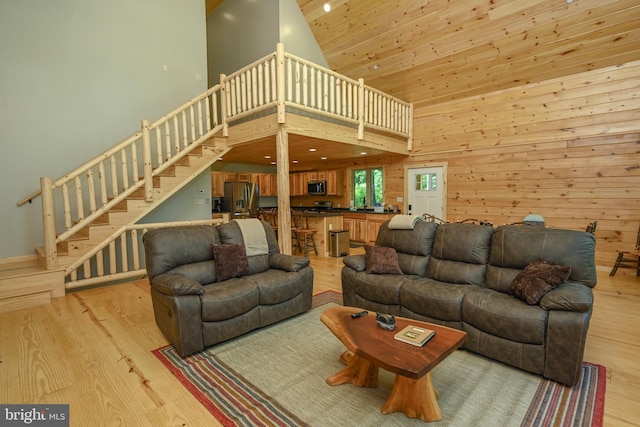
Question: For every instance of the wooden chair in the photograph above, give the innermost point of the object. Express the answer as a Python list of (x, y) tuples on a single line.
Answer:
[(271, 216), (623, 260), (305, 236)]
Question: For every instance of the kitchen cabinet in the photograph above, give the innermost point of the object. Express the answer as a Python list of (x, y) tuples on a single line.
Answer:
[(374, 222), (356, 223), (230, 176), (268, 184), (217, 184), (335, 182)]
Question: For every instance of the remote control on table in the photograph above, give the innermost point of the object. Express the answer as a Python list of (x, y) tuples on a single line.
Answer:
[(360, 314)]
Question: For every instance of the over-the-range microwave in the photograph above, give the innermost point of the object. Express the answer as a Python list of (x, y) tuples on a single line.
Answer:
[(317, 188)]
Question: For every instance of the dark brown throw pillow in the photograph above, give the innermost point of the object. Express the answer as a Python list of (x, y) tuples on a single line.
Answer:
[(231, 261), (537, 279), (382, 260)]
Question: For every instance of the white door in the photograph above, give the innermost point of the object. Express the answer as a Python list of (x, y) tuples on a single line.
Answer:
[(426, 191)]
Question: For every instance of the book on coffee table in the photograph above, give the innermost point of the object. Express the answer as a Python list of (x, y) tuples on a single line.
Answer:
[(414, 335)]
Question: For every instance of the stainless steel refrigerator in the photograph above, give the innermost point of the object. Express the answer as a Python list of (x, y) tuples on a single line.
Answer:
[(239, 198)]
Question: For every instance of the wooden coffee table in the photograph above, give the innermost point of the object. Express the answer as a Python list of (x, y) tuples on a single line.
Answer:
[(370, 347)]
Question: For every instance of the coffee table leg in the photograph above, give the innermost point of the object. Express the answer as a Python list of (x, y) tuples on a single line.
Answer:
[(359, 371), (416, 398)]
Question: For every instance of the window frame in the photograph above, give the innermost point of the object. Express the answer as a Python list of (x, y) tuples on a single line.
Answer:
[(370, 188)]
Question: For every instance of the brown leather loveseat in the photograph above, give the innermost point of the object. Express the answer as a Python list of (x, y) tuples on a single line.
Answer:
[(195, 309), (460, 275)]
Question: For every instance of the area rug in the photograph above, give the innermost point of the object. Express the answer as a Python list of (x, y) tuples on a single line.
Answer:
[(276, 376)]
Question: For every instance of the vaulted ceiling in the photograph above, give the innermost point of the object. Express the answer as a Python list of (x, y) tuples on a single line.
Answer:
[(433, 51)]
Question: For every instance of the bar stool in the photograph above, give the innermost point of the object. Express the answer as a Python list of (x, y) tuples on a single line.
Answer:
[(304, 232)]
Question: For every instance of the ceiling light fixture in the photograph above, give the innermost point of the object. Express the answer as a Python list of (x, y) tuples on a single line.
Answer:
[(327, 7), (312, 149), (363, 153), (323, 158), (267, 157), (295, 162)]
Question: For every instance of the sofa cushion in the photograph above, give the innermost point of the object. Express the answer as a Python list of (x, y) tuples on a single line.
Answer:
[(432, 299), (230, 260), (515, 246), (415, 242), (537, 279), (468, 243), (222, 301), (500, 278), (379, 288), (462, 273), (382, 260), (171, 247), (504, 316), (277, 286)]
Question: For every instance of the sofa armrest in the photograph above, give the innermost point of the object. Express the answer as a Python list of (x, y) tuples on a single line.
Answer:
[(569, 296), (176, 285), (356, 262), (288, 262)]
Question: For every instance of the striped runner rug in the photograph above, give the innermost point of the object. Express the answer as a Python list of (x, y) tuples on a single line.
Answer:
[(275, 377)]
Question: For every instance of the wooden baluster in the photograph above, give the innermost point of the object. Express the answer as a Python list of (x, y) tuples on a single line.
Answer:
[(263, 73), (86, 269), (338, 101), (274, 80), (305, 86), (135, 171), (124, 256), (200, 126), (102, 177), (224, 105), (289, 81), (167, 140), (361, 112), (49, 223), (91, 190), (112, 257), (185, 132), (192, 125), (207, 109), (135, 251), (243, 92), (312, 86), (66, 206), (159, 157), (79, 199), (125, 169), (254, 87), (146, 161), (99, 263), (332, 94), (114, 176)]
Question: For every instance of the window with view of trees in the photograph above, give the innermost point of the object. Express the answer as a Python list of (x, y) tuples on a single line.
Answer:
[(367, 187)]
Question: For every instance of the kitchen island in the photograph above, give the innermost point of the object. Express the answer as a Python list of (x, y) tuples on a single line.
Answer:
[(324, 222)]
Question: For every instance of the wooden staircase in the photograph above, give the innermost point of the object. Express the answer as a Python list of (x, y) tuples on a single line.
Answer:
[(135, 207)]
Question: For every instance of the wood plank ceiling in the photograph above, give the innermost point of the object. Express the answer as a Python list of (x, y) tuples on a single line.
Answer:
[(433, 51)]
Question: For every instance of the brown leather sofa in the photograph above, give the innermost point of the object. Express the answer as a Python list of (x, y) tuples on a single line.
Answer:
[(460, 275), (195, 311)]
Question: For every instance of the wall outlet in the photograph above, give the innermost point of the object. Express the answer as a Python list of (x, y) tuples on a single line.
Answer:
[(399, 199)]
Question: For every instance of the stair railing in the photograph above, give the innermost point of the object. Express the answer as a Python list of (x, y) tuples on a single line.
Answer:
[(120, 256), (88, 192), (278, 81)]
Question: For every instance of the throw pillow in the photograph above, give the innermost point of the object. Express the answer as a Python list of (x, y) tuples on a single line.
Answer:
[(231, 261), (382, 260), (537, 279)]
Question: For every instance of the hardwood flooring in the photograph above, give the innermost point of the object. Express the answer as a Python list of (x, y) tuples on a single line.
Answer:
[(92, 350)]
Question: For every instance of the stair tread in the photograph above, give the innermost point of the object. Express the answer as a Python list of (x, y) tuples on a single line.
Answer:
[(20, 268)]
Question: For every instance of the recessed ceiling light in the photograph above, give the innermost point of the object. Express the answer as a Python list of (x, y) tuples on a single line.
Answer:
[(327, 7), (312, 149), (273, 163), (363, 153), (295, 161), (220, 158), (267, 157), (323, 158)]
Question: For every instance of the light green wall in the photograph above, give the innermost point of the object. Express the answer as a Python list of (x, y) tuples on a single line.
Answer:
[(240, 32), (76, 77)]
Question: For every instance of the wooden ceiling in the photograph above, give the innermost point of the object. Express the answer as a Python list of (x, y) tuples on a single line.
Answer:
[(433, 51), (305, 152)]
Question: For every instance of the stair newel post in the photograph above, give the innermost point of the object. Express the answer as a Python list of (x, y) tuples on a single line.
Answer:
[(280, 82), (49, 224), (147, 164), (224, 104), (360, 109)]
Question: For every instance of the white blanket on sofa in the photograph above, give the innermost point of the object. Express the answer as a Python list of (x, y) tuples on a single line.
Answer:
[(254, 236), (404, 222)]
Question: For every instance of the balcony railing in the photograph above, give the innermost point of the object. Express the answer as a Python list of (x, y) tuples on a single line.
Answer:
[(280, 81)]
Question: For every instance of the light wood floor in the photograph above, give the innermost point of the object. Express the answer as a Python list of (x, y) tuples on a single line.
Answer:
[(92, 350)]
